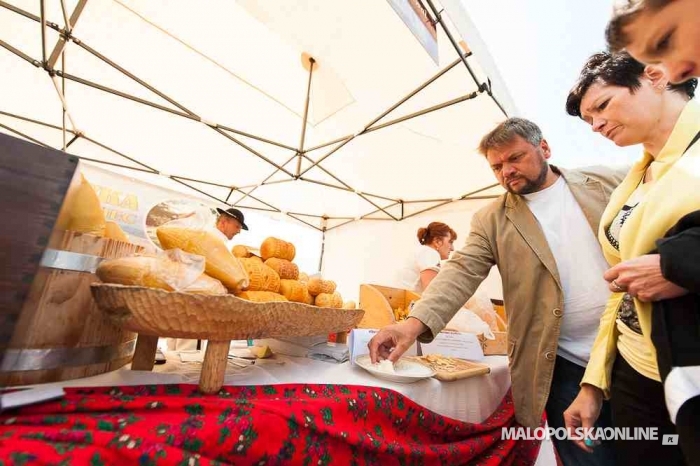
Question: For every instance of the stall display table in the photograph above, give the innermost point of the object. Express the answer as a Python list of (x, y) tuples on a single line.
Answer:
[(470, 400)]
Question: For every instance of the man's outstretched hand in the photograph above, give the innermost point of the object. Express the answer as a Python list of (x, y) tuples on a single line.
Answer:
[(393, 340)]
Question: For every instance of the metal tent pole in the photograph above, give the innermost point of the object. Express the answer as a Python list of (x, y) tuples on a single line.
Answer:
[(63, 88), (383, 114), (42, 8), (70, 24), (25, 136), (484, 86), (306, 114)]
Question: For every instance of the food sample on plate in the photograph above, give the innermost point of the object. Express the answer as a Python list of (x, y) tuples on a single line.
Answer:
[(384, 366)]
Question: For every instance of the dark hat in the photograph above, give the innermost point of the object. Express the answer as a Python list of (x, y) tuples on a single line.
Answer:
[(234, 213)]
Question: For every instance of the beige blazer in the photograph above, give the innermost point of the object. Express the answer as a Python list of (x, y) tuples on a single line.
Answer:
[(506, 233)]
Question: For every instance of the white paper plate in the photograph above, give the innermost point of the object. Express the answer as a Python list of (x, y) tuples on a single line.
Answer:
[(405, 371)]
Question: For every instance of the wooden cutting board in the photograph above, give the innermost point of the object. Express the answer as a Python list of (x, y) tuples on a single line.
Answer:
[(448, 369)]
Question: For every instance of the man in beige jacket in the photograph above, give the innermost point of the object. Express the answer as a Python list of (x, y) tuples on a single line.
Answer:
[(541, 235)]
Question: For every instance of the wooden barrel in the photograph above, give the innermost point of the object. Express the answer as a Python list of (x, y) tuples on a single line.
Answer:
[(61, 334)]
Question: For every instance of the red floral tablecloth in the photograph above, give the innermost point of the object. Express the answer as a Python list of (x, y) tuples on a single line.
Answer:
[(251, 425)]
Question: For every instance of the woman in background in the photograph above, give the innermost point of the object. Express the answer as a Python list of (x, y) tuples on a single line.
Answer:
[(436, 243)]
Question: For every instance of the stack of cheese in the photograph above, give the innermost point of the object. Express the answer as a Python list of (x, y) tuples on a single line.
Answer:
[(82, 212), (273, 277), (324, 293)]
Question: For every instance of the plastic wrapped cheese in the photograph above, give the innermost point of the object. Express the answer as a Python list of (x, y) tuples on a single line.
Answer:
[(206, 285), (220, 263), (172, 270)]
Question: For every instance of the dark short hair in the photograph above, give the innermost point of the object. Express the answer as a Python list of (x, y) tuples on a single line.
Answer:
[(507, 130), (623, 15), (615, 70)]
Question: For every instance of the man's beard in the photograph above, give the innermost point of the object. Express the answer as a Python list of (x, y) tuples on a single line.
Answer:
[(531, 186)]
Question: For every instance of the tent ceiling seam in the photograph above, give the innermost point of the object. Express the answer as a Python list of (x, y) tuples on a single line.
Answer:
[(203, 55)]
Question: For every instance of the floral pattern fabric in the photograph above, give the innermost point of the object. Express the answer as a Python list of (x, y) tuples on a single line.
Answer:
[(290, 424)]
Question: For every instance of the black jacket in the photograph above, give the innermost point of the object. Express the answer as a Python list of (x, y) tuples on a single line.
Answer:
[(676, 322)]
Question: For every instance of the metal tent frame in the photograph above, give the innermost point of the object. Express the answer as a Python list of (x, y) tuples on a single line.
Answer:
[(382, 204)]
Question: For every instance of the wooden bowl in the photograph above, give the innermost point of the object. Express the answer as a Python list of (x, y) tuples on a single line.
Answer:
[(150, 311)]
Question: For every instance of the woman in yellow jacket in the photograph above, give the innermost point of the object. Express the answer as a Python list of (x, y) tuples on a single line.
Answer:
[(630, 104)]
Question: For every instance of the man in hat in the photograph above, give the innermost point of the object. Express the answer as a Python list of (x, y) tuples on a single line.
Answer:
[(230, 222)]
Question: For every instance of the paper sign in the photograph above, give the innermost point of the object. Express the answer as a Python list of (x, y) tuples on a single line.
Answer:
[(358, 339), (30, 396), (456, 345)]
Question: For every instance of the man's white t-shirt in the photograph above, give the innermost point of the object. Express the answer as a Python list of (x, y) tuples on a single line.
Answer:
[(580, 263), (424, 258)]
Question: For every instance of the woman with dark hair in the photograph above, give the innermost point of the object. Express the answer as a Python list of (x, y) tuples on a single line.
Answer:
[(630, 104), (436, 243), (659, 31)]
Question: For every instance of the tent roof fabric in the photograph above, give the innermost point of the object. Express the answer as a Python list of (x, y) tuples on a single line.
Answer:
[(221, 98)]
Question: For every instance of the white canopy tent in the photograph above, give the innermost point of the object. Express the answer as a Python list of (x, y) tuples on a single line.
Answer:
[(328, 112)]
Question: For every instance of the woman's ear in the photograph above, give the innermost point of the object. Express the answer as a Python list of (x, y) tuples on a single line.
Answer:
[(657, 75)]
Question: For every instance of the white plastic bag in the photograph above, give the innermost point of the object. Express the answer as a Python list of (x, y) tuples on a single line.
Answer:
[(481, 305), (466, 321)]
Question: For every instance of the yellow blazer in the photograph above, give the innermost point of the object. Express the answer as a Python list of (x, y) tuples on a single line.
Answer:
[(674, 193)]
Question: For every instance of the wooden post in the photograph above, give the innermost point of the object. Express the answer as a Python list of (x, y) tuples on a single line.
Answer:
[(145, 353), (214, 366)]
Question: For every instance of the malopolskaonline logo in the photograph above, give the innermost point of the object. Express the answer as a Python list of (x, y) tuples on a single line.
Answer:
[(594, 434)]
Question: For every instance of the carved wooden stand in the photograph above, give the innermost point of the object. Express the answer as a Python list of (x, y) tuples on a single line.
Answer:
[(218, 319)]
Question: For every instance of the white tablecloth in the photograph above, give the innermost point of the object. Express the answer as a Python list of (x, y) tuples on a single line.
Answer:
[(469, 400)]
